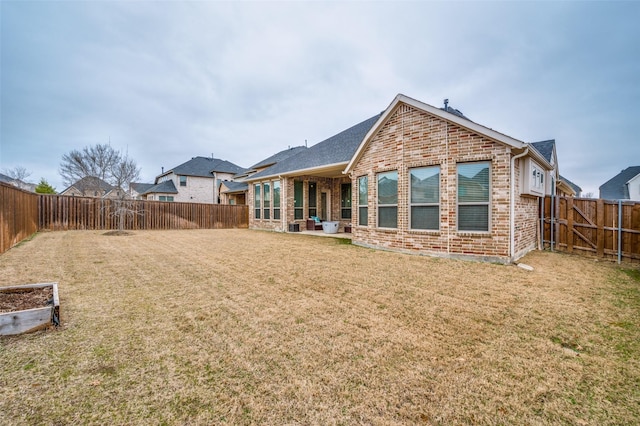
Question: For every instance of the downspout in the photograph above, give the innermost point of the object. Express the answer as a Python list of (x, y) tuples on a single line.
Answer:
[(512, 212)]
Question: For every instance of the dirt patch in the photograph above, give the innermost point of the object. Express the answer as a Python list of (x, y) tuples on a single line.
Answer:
[(25, 299), (117, 233)]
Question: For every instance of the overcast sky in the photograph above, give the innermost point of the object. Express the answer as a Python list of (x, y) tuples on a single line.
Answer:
[(167, 81)]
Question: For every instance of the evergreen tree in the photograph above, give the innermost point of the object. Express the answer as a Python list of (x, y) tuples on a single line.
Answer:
[(43, 187)]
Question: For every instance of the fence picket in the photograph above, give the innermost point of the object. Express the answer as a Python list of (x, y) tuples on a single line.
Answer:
[(23, 213)]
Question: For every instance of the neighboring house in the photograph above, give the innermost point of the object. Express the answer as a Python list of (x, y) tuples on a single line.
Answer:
[(576, 191), (195, 181), (94, 187), (623, 186), (235, 191), (18, 183), (136, 189), (414, 178)]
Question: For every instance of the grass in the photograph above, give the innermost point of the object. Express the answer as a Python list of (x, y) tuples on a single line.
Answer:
[(245, 327)]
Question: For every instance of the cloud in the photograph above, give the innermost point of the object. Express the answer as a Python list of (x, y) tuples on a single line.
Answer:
[(242, 80)]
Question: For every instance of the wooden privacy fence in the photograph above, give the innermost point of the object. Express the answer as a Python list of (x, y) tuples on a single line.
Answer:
[(18, 215), (23, 213), (61, 213), (602, 228)]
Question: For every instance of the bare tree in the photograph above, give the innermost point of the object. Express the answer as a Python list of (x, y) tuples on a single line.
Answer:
[(102, 163), (18, 173)]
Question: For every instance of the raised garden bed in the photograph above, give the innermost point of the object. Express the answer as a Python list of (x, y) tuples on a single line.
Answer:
[(29, 307)]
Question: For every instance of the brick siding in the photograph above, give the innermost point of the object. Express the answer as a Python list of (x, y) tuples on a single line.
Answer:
[(412, 138)]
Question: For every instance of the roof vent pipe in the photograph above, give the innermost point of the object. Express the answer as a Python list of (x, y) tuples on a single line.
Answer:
[(446, 104)]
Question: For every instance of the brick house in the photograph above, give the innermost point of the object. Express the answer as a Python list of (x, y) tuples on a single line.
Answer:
[(235, 191), (416, 179), (309, 183), (94, 187)]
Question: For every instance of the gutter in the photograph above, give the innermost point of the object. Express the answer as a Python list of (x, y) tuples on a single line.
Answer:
[(512, 212)]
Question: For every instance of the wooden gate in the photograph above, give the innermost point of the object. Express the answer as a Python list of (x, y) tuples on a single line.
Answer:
[(596, 227)]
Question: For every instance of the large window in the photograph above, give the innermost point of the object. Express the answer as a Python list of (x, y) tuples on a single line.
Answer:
[(266, 202), (276, 200), (313, 199), (256, 200), (363, 200), (298, 212), (345, 201), (388, 200), (474, 196), (425, 198)]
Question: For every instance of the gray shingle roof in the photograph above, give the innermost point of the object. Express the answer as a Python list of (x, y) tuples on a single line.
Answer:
[(455, 112), (141, 187), (616, 188), (204, 166), (235, 186), (276, 158), (572, 185), (545, 148), (166, 187), (90, 183), (337, 149)]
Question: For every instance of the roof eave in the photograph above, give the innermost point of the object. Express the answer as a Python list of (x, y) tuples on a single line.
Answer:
[(339, 167)]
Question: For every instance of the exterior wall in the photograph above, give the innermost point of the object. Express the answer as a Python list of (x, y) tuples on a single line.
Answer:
[(332, 186), (412, 138), (198, 189), (526, 211), (634, 188)]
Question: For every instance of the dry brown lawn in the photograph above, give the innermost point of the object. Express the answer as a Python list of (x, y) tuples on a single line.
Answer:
[(249, 327)]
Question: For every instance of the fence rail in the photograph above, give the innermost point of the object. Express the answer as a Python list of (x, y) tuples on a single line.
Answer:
[(24, 213), (603, 228)]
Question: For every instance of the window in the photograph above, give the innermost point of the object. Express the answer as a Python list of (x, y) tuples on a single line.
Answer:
[(363, 200), (345, 200), (183, 181), (537, 178), (388, 200), (473, 196), (256, 200), (276, 200), (266, 202), (425, 198), (166, 198), (313, 199), (298, 212)]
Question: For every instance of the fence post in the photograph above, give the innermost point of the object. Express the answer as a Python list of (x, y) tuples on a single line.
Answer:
[(570, 224), (600, 227), (619, 231)]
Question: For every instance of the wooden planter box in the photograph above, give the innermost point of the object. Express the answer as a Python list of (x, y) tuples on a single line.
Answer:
[(28, 320)]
